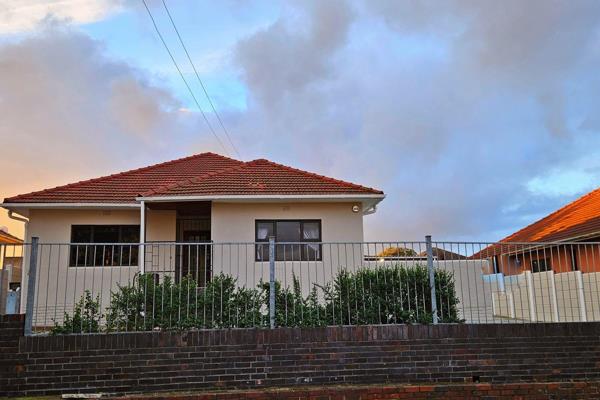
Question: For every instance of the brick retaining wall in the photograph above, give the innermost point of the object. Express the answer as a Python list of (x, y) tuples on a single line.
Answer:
[(256, 358)]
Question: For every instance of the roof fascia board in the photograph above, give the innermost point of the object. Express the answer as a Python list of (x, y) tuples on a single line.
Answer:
[(70, 205), (275, 197)]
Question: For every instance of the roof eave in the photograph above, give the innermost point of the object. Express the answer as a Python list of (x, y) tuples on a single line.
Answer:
[(368, 200), (64, 205)]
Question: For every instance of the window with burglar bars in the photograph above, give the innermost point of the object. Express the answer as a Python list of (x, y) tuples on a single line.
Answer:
[(301, 237), (104, 255), (541, 265)]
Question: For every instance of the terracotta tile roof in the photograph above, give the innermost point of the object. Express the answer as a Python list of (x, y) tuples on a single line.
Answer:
[(578, 218), (575, 221), (124, 187), (260, 177), (7, 238), (201, 174)]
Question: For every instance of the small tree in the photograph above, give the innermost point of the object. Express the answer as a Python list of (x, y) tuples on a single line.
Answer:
[(397, 252)]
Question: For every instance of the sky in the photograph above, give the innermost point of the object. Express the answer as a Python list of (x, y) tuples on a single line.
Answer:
[(475, 117)]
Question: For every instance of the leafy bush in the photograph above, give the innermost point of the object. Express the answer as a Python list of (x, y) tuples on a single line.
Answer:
[(384, 295), (389, 295), (86, 317), (148, 305), (291, 308)]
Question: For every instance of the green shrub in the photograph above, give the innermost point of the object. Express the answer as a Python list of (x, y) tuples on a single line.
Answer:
[(384, 295), (148, 305), (291, 308), (389, 295), (225, 305), (86, 317)]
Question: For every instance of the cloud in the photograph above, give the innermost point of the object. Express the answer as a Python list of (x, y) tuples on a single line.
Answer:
[(451, 108), (295, 51), (26, 15), (70, 112), (462, 111)]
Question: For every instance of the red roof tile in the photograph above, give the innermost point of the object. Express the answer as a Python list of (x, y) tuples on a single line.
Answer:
[(260, 177), (578, 218), (124, 187), (202, 175)]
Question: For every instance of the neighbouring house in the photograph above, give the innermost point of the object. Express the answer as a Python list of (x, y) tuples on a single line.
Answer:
[(11, 259), (215, 207), (553, 243), (445, 254), (550, 270)]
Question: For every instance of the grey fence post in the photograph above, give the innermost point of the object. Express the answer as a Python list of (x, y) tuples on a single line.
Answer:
[(272, 281), (31, 286), (431, 278)]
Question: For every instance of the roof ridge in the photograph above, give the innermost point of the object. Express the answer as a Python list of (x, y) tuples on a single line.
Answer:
[(195, 179), (315, 175), (123, 173), (573, 203)]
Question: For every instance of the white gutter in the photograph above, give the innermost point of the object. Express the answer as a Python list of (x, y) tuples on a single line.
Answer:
[(70, 205), (275, 197), (368, 201)]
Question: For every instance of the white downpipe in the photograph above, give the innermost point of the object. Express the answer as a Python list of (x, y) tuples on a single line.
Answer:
[(142, 250), (11, 215)]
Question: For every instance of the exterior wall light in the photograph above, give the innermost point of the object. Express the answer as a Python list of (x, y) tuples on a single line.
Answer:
[(355, 208)]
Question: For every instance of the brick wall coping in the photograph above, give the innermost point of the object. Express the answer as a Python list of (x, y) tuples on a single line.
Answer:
[(575, 390)]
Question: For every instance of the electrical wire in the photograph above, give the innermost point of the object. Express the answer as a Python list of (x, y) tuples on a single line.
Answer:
[(183, 78), (199, 79)]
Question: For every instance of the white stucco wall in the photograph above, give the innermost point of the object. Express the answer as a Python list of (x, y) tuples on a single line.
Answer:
[(60, 286), (235, 222)]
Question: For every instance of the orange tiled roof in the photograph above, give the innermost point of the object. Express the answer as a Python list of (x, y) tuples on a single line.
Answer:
[(578, 218), (7, 238), (201, 174)]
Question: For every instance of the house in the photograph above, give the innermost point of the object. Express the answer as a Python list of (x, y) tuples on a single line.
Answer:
[(196, 216), (549, 270), (11, 258), (444, 254), (553, 243)]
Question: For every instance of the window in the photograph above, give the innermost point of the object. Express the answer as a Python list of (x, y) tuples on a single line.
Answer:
[(107, 254), (298, 235), (540, 265)]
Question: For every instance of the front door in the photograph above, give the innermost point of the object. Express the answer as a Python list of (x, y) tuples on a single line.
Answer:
[(194, 258)]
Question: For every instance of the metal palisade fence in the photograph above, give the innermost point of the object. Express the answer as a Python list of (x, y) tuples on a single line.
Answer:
[(114, 287)]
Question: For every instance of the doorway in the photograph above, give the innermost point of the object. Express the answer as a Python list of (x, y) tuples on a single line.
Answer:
[(194, 258), (193, 250)]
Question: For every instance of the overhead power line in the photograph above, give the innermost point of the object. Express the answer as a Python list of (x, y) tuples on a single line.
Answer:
[(183, 78), (200, 80)]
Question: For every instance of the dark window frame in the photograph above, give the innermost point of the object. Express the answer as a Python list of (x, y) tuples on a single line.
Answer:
[(282, 249), (539, 262), (120, 254)]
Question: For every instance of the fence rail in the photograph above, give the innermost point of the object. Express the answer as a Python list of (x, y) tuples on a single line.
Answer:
[(91, 287)]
